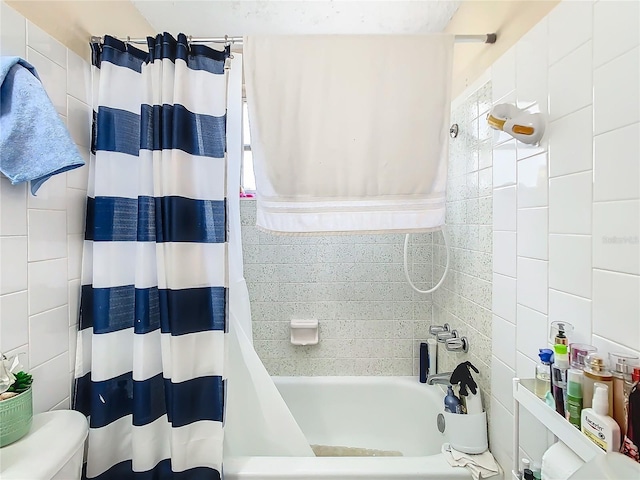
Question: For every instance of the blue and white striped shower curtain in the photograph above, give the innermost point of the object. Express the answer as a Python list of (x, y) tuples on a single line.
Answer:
[(150, 365)]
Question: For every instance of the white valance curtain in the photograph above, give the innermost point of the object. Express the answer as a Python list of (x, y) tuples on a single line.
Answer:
[(349, 133)]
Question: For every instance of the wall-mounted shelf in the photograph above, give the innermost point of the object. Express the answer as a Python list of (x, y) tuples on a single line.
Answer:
[(524, 396)]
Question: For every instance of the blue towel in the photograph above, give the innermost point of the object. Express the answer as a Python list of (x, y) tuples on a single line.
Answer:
[(34, 143)]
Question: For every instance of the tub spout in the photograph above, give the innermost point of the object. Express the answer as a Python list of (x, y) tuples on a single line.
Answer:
[(442, 378)]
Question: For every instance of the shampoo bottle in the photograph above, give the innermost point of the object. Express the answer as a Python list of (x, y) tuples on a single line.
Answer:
[(599, 427), (451, 402), (424, 362)]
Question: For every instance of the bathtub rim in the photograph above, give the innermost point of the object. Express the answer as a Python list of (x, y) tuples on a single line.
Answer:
[(435, 466)]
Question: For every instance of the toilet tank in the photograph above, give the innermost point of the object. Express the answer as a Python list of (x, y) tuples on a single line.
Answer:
[(52, 450)]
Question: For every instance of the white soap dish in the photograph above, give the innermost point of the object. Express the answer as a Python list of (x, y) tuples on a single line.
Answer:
[(304, 332)]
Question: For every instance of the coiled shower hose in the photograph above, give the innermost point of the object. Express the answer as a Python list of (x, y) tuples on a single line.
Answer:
[(446, 268)]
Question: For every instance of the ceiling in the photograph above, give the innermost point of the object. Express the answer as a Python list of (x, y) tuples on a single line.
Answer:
[(219, 18)]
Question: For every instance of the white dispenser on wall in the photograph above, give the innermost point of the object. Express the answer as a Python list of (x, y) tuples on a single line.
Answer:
[(522, 125)]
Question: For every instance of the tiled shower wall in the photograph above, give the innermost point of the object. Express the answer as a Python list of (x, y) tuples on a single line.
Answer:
[(566, 213), (41, 237), (464, 301), (371, 321)]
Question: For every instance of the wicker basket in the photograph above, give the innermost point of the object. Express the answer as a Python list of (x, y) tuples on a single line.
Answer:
[(16, 414)]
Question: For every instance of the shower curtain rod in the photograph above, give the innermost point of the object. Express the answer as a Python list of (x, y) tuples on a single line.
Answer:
[(485, 38)]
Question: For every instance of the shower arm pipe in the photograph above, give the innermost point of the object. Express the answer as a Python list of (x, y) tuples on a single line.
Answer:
[(485, 38), (446, 268)]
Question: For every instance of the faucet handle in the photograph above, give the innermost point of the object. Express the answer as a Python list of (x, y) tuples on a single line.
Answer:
[(457, 344), (443, 337), (436, 329)]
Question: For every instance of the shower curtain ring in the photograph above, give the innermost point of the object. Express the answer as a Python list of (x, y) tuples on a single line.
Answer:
[(227, 45), (189, 40), (126, 43)]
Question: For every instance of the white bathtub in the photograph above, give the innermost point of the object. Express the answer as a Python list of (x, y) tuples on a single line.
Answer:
[(381, 413)]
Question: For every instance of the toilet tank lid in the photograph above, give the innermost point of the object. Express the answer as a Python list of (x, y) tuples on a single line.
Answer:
[(52, 441)]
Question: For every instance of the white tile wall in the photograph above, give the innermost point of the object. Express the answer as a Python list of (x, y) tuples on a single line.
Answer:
[(13, 251), (14, 326), (616, 172), (41, 237), (570, 141), (589, 189), (47, 234), (615, 29), (532, 331), (501, 375), (532, 283), (533, 233), (569, 27), (615, 236), (570, 264), (503, 78), (54, 78), (532, 182), (505, 263), (611, 109), (616, 307), (504, 165), (503, 339), (504, 297), (570, 203), (531, 68), (570, 82), (504, 209), (13, 36), (42, 42), (564, 307)]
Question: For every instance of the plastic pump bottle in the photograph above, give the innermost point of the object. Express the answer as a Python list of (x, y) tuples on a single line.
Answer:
[(543, 372), (595, 370), (599, 427), (559, 372), (560, 332), (451, 402), (574, 396)]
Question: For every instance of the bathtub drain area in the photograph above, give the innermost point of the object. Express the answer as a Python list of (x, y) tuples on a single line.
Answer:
[(340, 451)]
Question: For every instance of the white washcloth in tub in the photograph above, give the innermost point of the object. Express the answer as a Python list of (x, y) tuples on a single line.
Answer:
[(482, 465)]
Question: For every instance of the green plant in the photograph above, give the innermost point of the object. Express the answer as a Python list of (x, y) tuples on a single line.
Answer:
[(22, 382)]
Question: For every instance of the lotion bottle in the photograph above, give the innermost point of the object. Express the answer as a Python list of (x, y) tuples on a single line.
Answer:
[(595, 370), (599, 427)]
